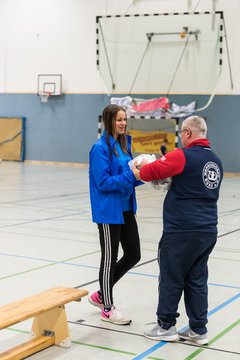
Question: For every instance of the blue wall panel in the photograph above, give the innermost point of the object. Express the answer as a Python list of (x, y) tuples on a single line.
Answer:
[(64, 128)]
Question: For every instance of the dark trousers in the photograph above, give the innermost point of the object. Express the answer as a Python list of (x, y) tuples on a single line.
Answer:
[(183, 259), (112, 269)]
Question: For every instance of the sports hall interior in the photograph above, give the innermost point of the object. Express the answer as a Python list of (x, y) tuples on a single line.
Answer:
[(59, 69)]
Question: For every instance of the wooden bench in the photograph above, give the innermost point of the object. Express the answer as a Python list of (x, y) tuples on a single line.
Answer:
[(49, 324)]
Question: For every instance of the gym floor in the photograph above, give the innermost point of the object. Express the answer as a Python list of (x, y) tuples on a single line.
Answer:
[(48, 240)]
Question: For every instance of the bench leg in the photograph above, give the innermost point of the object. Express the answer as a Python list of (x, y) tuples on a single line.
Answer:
[(53, 321)]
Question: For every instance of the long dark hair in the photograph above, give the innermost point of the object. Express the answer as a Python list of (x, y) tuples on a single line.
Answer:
[(109, 117)]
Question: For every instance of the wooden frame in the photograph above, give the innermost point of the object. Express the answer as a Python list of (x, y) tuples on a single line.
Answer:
[(49, 326)]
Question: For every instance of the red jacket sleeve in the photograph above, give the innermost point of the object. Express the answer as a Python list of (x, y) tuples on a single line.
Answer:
[(171, 164)]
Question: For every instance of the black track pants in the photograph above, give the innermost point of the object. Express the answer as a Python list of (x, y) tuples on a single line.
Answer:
[(112, 269)]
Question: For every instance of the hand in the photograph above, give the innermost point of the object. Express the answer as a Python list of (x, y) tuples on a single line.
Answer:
[(135, 171)]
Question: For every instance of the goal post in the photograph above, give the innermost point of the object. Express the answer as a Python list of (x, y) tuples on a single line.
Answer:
[(165, 54), (148, 133)]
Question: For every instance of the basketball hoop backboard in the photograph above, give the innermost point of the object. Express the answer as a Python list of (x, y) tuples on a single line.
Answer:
[(50, 84)]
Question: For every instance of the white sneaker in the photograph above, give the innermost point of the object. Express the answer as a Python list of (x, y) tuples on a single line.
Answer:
[(189, 334), (160, 334), (115, 316)]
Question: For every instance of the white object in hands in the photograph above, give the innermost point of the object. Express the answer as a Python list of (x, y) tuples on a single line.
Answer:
[(164, 184), (138, 159)]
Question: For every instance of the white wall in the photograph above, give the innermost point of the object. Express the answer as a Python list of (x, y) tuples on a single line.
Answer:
[(59, 36)]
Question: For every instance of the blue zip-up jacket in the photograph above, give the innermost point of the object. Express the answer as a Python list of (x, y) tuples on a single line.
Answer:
[(108, 180)]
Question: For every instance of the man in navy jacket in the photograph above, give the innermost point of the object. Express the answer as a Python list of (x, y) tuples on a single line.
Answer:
[(189, 231)]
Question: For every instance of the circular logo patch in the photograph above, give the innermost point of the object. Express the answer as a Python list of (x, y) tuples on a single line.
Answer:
[(211, 175)]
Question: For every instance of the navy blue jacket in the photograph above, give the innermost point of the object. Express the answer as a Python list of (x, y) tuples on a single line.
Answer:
[(191, 202)]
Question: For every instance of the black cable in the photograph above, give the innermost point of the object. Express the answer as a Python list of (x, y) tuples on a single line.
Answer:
[(108, 62), (178, 64), (196, 6), (10, 139), (139, 66)]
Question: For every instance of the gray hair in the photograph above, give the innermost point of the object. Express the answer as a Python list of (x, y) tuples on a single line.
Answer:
[(196, 124)]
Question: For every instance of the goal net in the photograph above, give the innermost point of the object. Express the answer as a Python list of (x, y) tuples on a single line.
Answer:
[(160, 53)]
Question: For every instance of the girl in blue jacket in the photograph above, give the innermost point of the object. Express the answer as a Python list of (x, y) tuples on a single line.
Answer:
[(113, 204)]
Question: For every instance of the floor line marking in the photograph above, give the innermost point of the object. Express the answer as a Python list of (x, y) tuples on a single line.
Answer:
[(87, 345), (195, 353), (104, 348), (225, 331), (66, 262), (44, 266), (182, 343), (163, 343), (43, 219)]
